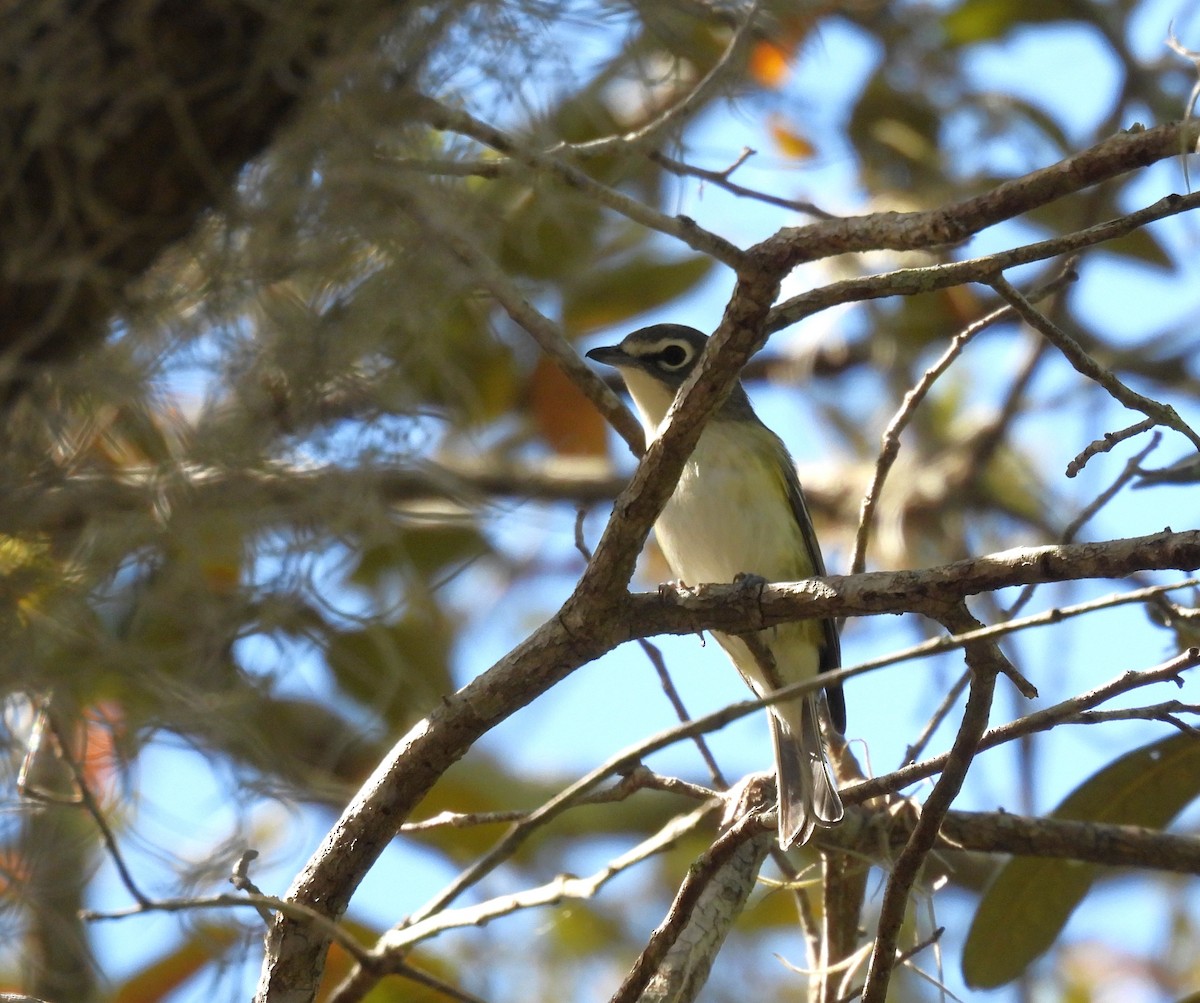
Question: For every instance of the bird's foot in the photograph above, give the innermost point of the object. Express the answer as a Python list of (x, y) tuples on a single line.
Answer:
[(667, 589), (749, 580)]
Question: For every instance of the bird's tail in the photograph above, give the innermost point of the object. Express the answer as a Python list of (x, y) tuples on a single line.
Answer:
[(808, 796)]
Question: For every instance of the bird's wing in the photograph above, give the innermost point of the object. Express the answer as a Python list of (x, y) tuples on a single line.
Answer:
[(831, 652)]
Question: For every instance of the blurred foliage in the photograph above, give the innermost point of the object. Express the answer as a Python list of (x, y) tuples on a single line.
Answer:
[(288, 627), (1024, 909)]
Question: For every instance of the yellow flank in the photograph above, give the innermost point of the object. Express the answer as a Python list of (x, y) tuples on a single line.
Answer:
[(735, 499)]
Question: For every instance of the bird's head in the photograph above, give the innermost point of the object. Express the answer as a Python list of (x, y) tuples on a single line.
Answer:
[(654, 363)]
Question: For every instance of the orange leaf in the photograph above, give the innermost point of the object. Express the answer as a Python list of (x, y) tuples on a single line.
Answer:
[(769, 64), (205, 945), (103, 725), (563, 416), (790, 142)]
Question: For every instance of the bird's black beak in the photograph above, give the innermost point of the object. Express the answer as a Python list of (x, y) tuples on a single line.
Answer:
[(609, 355)]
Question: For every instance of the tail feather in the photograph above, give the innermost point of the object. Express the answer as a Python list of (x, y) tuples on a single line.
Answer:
[(808, 796)]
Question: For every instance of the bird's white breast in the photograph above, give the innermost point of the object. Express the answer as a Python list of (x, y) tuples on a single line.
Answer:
[(729, 514)]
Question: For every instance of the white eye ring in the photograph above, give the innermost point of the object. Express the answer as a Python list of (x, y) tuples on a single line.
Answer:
[(674, 355)]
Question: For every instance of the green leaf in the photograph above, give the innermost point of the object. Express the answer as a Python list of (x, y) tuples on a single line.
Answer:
[(397, 670), (1027, 905), (983, 20), (1143, 247), (604, 297)]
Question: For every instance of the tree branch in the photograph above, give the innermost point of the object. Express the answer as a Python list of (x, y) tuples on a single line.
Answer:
[(985, 662), (675, 962), (956, 221)]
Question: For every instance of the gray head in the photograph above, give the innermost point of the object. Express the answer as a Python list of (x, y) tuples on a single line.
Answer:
[(655, 361)]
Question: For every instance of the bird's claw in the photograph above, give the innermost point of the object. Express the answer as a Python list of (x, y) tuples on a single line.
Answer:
[(750, 581), (667, 589)]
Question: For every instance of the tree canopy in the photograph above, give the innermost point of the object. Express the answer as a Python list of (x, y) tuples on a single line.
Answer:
[(321, 542)]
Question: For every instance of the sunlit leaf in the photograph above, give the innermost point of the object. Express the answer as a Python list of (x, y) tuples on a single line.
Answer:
[(1141, 246), (982, 20), (1026, 906), (769, 64), (897, 134), (582, 929)]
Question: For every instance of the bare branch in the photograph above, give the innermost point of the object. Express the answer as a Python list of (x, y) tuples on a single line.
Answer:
[(1071, 350), (956, 221), (736, 608), (1042, 720), (675, 961), (1092, 842), (985, 662), (680, 227), (87, 800), (639, 779), (600, 614), (723, 179), (670, 119), (912, 400), (910, 281), (1109, 440), (561, 888)]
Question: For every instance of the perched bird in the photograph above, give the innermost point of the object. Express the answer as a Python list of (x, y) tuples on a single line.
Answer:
[(738, 510)]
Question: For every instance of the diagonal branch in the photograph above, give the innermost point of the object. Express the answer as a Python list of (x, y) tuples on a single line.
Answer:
[(985, 662), (927, 278), (957, 221), (1073, 352)]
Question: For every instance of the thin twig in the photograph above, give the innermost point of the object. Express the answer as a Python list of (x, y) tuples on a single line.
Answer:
[(902, 958), (722, 180), (563, 887), (1164, 712), (985, 661), (674, 116), (294, 910), (240, 879), (687, 231), (1040, 720), (639, 779), (1106, 443), (1131, 470), (92, 806), (652, 652), (890, 445), (1073, 352), (936, 718)]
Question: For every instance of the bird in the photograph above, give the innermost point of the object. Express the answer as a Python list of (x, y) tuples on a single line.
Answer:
[(738, 512)]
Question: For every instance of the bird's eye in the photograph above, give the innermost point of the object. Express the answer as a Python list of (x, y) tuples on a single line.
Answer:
[(673, 356)]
